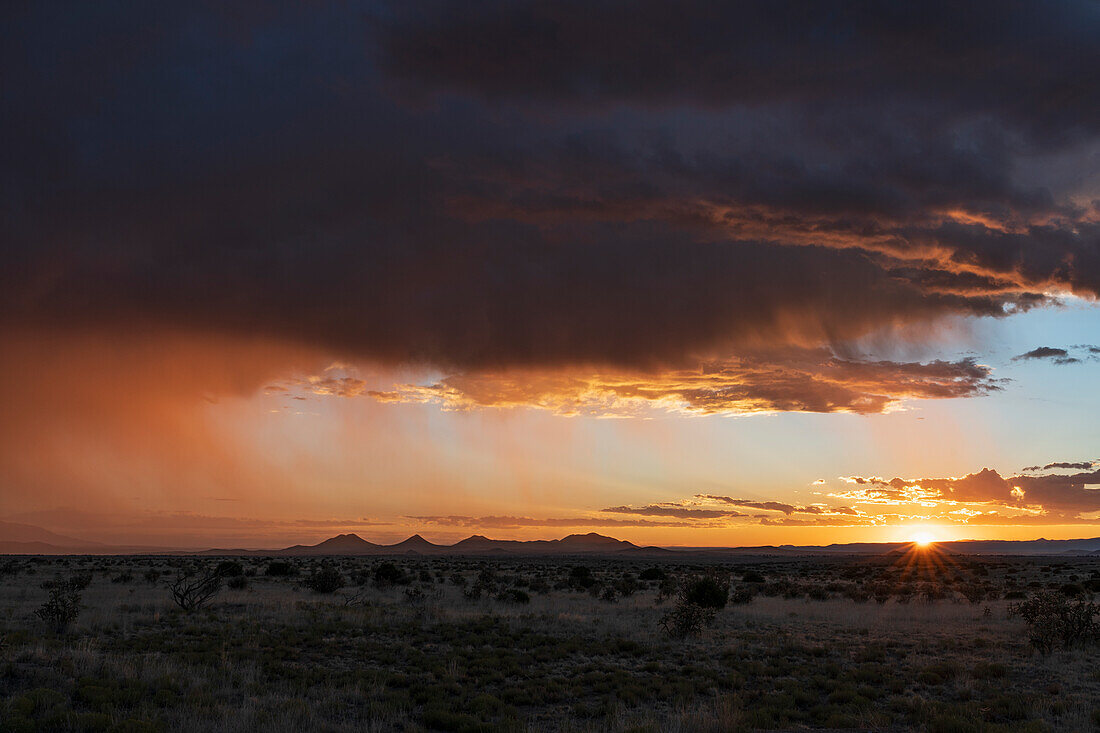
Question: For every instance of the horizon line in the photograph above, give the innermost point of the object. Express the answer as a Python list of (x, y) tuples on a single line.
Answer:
[(138, 549)]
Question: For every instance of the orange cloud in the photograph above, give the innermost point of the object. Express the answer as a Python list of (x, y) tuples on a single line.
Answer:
[(982, 496), (802, 380)]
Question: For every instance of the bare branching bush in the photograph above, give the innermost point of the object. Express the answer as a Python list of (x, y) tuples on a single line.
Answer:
[(191, 591), (687, 619), (63, 605), (356, 599), (1056, 621)]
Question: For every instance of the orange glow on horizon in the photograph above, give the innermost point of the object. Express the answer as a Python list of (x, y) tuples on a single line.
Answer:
[(923, 539)]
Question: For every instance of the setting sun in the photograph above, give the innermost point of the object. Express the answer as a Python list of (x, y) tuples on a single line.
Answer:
[(923, 539)]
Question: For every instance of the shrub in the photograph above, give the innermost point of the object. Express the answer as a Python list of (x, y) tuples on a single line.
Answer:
[(229, 569), (581, 577), (627, 586), (665, 590), (280, 569), (687, 619), (387, 574), (652, 574), (742, 594), (80, 581), (1053, 620), (707, 592), (325, 580), (61, 608), (540, 585), (487, 578), (697, 603), (858, 593), (191, 592), (752, 576), (514, 595), (989, 670)]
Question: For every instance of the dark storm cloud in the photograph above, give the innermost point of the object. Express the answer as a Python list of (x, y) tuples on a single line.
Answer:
[(549, 185), (875, 109), (1024, 61)]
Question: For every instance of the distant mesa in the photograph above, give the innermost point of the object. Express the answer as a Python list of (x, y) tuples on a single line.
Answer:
[(350, 544), (343, 544), (417, 544), (475, 542)]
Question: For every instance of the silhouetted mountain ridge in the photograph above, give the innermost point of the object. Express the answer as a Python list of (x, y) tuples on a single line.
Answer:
[(341, 544), (350, 544)]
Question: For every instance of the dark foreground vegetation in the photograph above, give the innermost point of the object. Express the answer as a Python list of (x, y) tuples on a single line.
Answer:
[(909, 641)]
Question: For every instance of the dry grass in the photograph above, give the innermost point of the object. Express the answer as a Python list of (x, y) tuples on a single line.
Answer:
[(278, 657)]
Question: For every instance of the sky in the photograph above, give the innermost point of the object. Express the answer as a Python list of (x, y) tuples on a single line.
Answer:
[(683, 274)]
